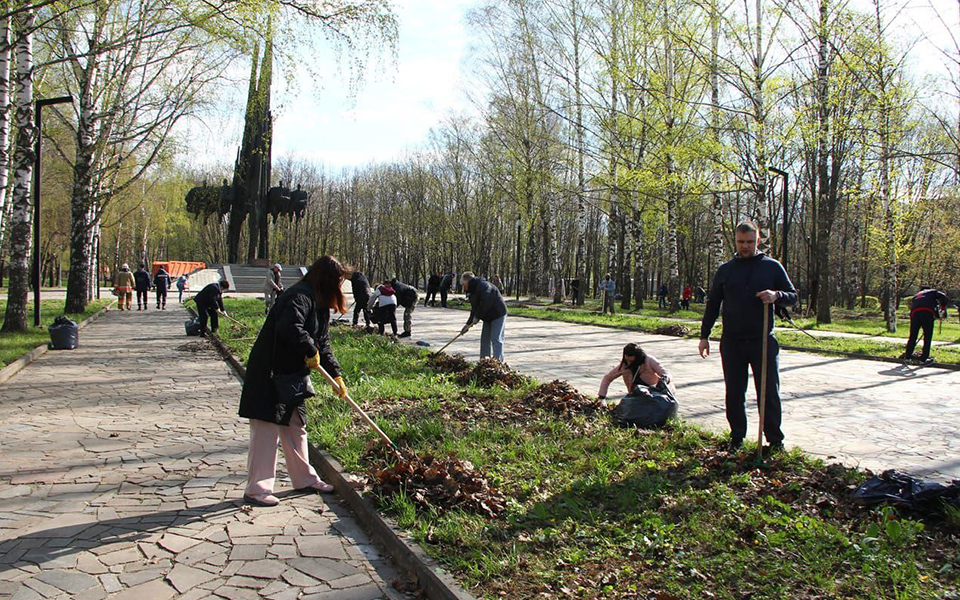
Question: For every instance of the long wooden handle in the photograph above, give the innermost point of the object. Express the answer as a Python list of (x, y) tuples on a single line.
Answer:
[(763, 380), (357, 408), (455, 338)]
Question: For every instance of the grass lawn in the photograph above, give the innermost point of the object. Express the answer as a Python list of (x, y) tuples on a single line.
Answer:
[(15, 345), (786, 335), (594, 511)]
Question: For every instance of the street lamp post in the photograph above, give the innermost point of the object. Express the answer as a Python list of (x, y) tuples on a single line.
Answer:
[(786, 214), (38, 123)]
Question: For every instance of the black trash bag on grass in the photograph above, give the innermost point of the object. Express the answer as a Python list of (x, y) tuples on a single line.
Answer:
[(900, 489), (646, 407)]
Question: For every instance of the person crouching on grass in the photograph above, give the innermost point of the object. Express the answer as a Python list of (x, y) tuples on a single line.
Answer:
[(294, 339), (637, 368)]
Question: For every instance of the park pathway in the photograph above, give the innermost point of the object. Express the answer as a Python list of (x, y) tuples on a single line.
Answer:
[(122, 466), (872, 414)]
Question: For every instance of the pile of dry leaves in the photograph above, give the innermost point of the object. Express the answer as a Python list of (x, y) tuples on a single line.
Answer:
[(490, 372), (447, 363), (560, 398), (675, 329), (441, 484)]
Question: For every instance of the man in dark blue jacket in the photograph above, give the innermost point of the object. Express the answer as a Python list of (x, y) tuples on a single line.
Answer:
[(161, 281), (927, 305), (210, 305), (487, 305), (745, 287), (142, 279)]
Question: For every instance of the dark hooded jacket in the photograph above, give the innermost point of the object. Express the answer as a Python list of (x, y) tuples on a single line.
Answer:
[(295, 329), (162, 280), (735, 288), (361, 288), (486, 303), (406, 294), (143, 280), (433, 283), (211, 296)]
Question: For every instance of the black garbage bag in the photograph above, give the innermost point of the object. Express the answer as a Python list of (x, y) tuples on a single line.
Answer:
[(64, 334), (900, 489), (646, 407), (192, 326)]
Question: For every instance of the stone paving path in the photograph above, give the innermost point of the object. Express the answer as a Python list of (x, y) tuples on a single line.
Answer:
[(873, 414), (122, 465)]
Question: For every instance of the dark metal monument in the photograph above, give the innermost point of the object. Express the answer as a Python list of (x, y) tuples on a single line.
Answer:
[(249, 195)]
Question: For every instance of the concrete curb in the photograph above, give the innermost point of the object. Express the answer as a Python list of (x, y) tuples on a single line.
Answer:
[(16, 366), (432, 580)]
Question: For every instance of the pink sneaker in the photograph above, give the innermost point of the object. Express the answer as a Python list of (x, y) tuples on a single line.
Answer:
[(267, 501), (322, 487)]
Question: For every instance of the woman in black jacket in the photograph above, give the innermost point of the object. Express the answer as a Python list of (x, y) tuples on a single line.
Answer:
[(294, 338)]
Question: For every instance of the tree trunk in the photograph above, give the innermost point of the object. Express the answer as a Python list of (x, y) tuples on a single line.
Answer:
[(4, 120), (82, 197), (21, 216)]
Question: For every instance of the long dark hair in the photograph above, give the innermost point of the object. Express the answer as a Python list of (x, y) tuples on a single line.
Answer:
[(636, 351), (325, 276)]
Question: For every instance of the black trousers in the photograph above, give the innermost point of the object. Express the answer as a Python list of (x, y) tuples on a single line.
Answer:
[(357, 309), (204, 312), (386, 314), (736, 355), (142, 294), (430, 297), (161, 297), (443, 297), (922, 319)]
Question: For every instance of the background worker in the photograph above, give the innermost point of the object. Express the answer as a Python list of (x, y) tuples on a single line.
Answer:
[(407, 298), (210, 305), (608, 290), (142, 279), (487, 305), (361, 296), (161, 282), (383, 303), (272, 286), (744, 288), (929, 304), (433, 286), (183, 284), (446, 282), (123, 285)]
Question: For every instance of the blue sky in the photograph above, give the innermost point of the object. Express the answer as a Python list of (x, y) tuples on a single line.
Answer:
[(397, 106)]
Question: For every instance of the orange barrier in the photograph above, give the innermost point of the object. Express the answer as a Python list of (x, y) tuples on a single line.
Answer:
[(176, 268)]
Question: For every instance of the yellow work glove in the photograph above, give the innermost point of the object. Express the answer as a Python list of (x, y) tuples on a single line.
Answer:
[(314, 361), (342, 392)]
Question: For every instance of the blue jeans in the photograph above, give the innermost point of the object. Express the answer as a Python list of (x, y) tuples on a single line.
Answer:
[(491, 338)]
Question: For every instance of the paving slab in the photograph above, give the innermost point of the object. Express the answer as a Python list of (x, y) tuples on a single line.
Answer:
[(122, 467), (871, 414)]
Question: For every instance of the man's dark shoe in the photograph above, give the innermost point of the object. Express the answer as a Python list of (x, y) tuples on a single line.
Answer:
[(927, 361), (774, 448), (405, 334), (734, 445)]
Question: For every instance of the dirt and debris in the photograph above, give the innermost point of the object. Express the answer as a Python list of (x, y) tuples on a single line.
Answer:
[(490, 372), (676, 329), (559, 397), (196, 348), (447, 363), (440, 483)]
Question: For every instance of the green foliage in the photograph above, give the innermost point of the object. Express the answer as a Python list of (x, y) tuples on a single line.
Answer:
[(608, 512)]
